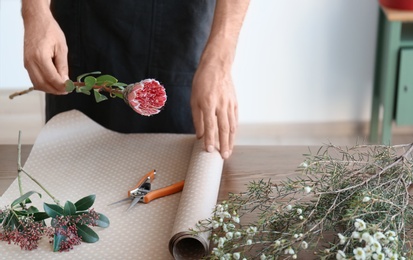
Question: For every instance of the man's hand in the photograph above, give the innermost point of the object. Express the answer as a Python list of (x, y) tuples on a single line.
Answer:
[(213, 101), (214, 108), (45, 49)]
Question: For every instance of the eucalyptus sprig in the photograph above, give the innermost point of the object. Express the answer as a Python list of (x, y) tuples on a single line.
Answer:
[(86, 83), (25, 225), (350, 203)]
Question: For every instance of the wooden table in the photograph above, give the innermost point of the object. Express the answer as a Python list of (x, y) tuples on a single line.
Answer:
[(246, 164)]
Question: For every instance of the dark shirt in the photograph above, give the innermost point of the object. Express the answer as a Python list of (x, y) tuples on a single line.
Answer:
[(134, 40)]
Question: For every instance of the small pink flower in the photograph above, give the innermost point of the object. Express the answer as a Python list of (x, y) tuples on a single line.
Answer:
[(146, 97)]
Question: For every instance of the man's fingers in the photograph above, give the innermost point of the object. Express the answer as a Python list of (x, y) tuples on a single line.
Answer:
[(223, 133), (209, 129), (198, 121)]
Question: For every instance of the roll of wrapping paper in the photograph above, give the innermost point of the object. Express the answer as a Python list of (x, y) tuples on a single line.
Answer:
[(74, 157), (197, 202)]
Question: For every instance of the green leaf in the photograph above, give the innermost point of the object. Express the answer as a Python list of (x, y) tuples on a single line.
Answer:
[(53, 210), (103, 221), (120, 85), (85, 203), (23, 198), (70, 86), (90, 81), (79, 78), (99, 97), (32, 209), (39, 216), (57, 240), (83, 90), (106, 80), (69, 208), (87, 234)]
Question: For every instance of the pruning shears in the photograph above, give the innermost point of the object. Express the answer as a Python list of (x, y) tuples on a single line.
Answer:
[(142, 191)]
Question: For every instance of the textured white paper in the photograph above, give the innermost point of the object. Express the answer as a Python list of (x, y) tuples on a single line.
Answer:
[(74, 157)]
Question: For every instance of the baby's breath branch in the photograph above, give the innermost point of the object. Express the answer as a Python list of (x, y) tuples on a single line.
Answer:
[(19, 93)]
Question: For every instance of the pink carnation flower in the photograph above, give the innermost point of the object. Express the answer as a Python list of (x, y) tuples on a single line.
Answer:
[(146, 97)]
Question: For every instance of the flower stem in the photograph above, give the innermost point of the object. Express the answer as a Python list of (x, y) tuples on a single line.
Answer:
[(110, 90), (20, 170), (19, 165), (42, 187)]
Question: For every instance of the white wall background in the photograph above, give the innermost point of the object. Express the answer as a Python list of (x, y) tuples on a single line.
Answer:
[(297, 60)]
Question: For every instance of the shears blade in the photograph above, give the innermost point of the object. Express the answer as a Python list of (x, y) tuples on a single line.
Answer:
[(134, 202)]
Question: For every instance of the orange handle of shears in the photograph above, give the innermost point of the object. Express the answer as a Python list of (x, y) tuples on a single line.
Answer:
[(171, 189), (150, 175)]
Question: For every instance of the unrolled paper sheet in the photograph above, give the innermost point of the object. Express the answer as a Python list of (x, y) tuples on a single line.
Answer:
[(74, 157)]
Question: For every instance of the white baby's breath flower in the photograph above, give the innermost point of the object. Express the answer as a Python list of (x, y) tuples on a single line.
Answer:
[(307, 189), (376, 246), (227, 215), (304, 164), (340, 255), (360, 225), (249, 242), (299, 211), (215, 224), (289, 207), (236, 255), (359, 253), (355, 235), (263, 257), (300, 217), (342, 238), (295, 235), (235, 219), (237, 235), (294, 256), (225, 228), (229, 235), (379, 235), (221, 242), (277, 243), (367, 238), (379, 256), (251, 231), (366, 199), (304, 245)]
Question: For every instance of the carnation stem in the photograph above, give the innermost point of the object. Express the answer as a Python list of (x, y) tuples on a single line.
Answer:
[(101, 87)]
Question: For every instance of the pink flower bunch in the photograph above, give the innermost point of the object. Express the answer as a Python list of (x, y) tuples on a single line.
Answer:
[(65, 227), (27, 235), (146, 97)]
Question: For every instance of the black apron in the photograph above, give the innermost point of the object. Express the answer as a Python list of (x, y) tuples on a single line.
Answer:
[(134, 40)]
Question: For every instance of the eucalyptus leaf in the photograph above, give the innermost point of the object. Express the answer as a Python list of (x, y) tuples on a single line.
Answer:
[(120, 85), (79, 78), (70, 86), (83, 90), (87, 234), (99, 97), (57, 240), (69, 208), (90, 81), (53, 210), (85, 203), (23, 198), (106, 80), (103, 221)]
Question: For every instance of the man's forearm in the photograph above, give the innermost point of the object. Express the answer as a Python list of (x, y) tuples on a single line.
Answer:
[(228, 19), (33, 8)]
